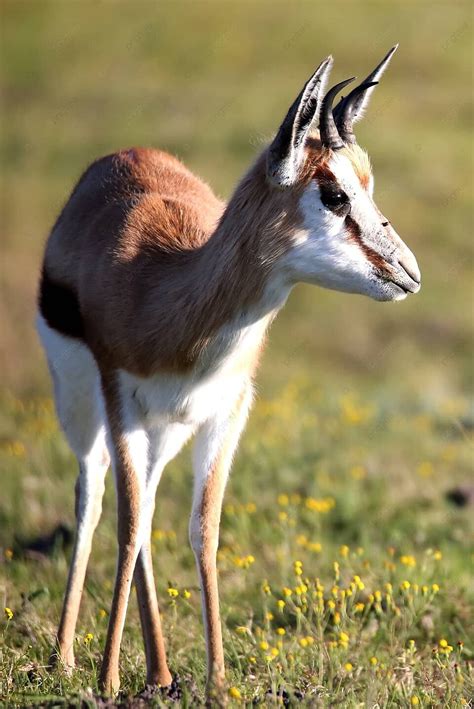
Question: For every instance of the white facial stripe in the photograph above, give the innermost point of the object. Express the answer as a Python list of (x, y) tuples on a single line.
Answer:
[(348, 251)]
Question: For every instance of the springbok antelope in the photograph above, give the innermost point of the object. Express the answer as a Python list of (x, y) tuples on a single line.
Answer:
[(153, 307)]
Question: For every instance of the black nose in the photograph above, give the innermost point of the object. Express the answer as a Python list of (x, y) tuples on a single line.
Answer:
[(385, 223)]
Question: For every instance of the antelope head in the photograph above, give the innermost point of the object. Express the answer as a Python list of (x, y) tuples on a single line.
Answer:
[(345, 243)]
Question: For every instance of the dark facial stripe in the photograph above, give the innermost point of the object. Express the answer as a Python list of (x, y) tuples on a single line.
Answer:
[(324, 176), (59, 306), (332, 195), (353, 230)]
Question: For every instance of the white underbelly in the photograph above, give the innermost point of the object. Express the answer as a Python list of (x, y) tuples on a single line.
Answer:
[(171, 398)]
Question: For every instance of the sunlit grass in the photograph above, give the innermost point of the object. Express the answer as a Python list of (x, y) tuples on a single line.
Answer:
[(334, 586)]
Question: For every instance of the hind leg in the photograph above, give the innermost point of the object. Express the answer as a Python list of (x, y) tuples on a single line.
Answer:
[(80, 411), (89, 492)]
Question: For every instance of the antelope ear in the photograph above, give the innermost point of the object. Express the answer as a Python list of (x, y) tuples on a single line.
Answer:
[(286, 152)]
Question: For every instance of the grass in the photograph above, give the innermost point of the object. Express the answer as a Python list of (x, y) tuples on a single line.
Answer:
[(363, 420), (347, 579)]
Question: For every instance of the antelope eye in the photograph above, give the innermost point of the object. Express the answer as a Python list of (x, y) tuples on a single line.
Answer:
[(334, 198)]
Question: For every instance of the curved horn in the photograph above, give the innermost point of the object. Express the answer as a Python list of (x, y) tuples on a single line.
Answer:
[(351, 107), (327, 126), (344, 117)]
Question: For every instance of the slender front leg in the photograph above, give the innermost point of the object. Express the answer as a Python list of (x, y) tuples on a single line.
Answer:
[(129, 499), (139, 457), (215, 446), (157, 672), (129, 451)]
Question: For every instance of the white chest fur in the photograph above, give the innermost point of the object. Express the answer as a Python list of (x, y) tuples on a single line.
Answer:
[(213, 386)]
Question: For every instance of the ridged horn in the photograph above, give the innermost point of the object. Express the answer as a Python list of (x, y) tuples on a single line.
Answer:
[(329, 134), (351, 107), (345, 118)]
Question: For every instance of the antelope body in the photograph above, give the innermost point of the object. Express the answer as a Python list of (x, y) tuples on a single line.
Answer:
[(153, 307)]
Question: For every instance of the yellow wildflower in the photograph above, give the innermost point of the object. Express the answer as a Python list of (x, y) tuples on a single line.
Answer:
[(8, 613), (414, 701), (234, 693), (322, 505), (264, 645), (408, 560), (343, 637), (283, 500), (88, 638), (373, 661), (348, 667), (281, 604), (281, 631), (344, 551), (186, 594), (298, 568), (425, 469), (435, 588), (173, 592), (358, 472)]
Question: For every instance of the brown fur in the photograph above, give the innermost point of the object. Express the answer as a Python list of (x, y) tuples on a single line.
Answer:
[(155, 262), (128, 513), (157, 672), (209, 515)]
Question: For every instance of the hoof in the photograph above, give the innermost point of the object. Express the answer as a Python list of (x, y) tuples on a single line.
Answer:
[(284, 697), (65, 662), (172, 692)]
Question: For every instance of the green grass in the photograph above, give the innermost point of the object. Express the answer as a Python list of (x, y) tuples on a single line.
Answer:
[(321, 479), (363, 420)]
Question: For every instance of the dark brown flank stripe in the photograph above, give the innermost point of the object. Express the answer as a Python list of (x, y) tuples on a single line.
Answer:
[(59, 306), (353, 230)]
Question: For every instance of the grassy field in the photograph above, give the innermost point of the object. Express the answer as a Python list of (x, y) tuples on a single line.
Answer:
[(345, 571)]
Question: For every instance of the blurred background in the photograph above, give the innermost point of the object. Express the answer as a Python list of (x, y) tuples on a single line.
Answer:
[(210, 82), (365, 402)]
